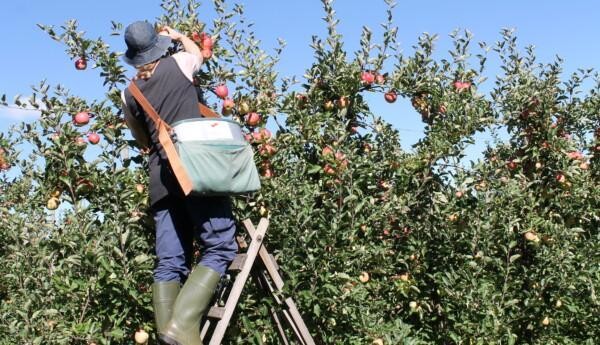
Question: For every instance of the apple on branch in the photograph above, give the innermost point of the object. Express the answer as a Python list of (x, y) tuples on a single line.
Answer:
[(252, 119), (390, 96), (367, 78), (93, 138), (80, 64), (81, 118), (221, 91)]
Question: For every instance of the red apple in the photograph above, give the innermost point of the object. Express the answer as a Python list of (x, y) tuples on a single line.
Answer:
[(576, 155), (512, 165), (390, 96), (228, 103), (252, 119), (560, 178), (584, 166), (343, 102), (266, 169), (379, 78), (302, 99), (328, 169), (80, 141), (221, 91), (81, 64), (206, 41), (81, 118), (261, 135), (140, 188), (93, 138), (459, 194), (442, 109), (267, 150), (460, 86), (268, 173), (265, 133), (383, 184), (367, 78), (196, 37), (206, 53), (340, 156), (327, 151)]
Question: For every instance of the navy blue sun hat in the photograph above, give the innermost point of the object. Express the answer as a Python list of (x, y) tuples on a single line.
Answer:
[(144, 45)]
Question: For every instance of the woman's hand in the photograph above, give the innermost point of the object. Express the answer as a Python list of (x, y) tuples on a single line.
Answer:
[(172, 33), (188, 45)]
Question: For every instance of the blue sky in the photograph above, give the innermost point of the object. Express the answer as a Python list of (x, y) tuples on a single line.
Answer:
[(567, 28)]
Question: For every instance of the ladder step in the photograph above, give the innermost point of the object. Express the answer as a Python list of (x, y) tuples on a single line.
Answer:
[(216, 313), (238, 263)]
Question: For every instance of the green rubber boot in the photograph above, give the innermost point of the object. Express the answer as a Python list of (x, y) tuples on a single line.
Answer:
[(163, 298), (191, 304)]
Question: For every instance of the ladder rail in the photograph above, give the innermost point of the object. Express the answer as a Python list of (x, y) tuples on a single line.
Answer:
[(266, 274), (239, 283)]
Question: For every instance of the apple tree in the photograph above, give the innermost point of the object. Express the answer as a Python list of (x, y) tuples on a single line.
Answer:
[(377, 244)]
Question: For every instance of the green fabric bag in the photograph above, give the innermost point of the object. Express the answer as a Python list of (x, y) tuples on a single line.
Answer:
[(219, 166)]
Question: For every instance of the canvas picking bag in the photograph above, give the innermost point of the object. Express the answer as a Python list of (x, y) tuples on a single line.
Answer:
[(208, 156)]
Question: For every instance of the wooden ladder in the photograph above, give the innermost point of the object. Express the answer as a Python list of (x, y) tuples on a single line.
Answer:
[(266, 275)]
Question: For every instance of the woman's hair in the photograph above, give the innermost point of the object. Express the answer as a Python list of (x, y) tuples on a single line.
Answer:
[(145, 71)]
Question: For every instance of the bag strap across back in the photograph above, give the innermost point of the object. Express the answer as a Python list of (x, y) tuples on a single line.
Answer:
[(164, 137), (206, 111)]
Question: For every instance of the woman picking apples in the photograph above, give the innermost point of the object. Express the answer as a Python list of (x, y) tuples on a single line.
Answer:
[(167, 82)]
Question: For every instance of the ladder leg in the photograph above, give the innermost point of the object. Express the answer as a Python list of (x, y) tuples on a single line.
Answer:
[(296, 320), (279, 327), (290, 321), (239, 283), (299, 322), (263, 284)]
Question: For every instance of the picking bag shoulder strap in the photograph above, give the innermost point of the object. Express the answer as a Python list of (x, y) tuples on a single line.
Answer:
[(164, 138), (206, 111)]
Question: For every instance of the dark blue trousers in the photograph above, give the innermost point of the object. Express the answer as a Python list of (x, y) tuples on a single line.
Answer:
[(179, 221)]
